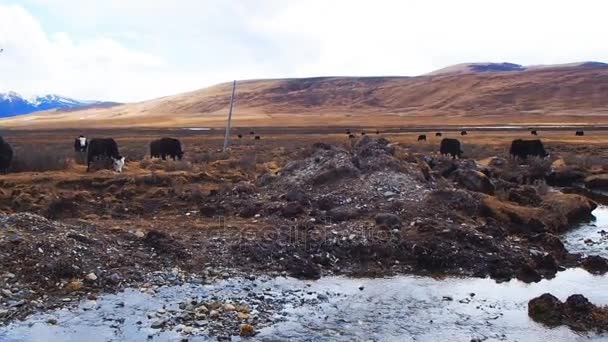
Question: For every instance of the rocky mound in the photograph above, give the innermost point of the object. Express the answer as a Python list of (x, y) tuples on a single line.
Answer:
[(41, 258), (577, 313)]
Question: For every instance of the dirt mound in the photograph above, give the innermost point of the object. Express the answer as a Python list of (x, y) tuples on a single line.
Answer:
[(39, 257)]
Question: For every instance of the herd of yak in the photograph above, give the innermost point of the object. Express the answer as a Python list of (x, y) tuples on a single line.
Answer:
[(106, 148)]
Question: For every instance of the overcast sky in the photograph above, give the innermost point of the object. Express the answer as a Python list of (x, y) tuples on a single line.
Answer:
[(131, 50)]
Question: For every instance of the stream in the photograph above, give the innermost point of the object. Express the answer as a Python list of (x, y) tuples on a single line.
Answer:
[(404, 308)]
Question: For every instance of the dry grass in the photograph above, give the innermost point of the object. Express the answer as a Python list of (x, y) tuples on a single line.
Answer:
[(34, 158)]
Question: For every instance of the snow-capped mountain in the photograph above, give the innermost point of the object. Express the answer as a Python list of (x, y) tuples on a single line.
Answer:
[(13, 104)]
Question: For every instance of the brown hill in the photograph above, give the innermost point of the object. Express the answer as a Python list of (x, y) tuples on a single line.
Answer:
[(564, 95)]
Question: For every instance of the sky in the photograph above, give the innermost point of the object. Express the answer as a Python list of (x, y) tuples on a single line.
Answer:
[(133, 50)]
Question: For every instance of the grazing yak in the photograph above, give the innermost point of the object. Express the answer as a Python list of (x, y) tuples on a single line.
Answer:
[(105, 148), (463, 133), (450, 146), (534, 132), (422, 137), (523, 148), (579, 133), (240, 136), (438, 134), (6, 156), (351, 136), (80, 144), (164, 147), (257, 137), (377, 132)]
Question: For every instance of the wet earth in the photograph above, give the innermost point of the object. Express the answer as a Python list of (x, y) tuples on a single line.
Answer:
[(404, 308)]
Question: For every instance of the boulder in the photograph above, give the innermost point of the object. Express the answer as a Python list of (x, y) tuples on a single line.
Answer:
[(546, 309), (332, 173), (295, 195), (388, 220), (474, 181), (244, 188), (343, 213), (597, 182), (565, 176), (292, 209), (525, 195), (595, 264), (571, 207)]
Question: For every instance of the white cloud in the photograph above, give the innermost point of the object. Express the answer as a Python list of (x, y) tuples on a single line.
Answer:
[(139, 49)]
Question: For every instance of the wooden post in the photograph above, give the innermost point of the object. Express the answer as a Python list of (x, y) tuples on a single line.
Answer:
[(228, 124)]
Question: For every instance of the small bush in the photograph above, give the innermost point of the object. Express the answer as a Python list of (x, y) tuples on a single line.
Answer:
[(38, 159)]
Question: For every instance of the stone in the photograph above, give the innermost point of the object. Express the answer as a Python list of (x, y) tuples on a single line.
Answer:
[(159, 323), (140, 234), (295, 195), (229, 307), (292, 209), (246, 330), (546, 309), (388, 220), (343, 213), (597, 181), (244, 188), (114, 278), (474, 181), (214, 314), (91, 276), (52, 321)]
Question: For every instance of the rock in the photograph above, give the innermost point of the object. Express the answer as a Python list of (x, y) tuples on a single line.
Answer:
[(265, 179), (208, 210), (292, 209), (114, 278), (343, 213), (565, 176), (158, 324), (474, 181), (388, 220), (187, 330), (52, 321), (246, 330), (91, 277), (6, 293), (595, 264), (574, 208), (327, 202), (295, 195), (579, 304), (332, 173), (244, 188), (546, 309), (322, 297), (140, 234), (525, 195), (228, 307), (242, 316), (321, 146), (388, 194), (597, 182), (214, 314), (249, 210), (303, 269)]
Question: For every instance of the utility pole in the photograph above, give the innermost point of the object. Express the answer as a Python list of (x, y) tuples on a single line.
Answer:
[(229, 123)]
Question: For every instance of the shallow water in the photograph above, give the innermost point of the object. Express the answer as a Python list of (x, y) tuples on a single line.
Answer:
[(406, 308), (588, 238)]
